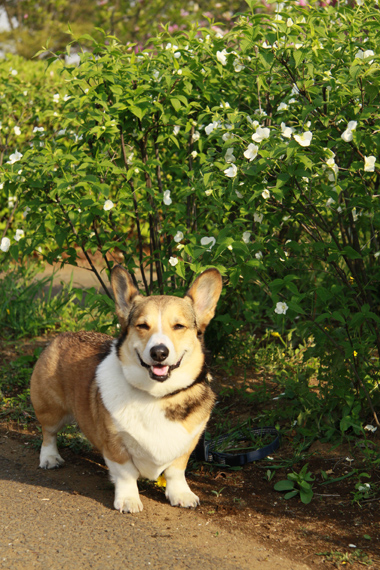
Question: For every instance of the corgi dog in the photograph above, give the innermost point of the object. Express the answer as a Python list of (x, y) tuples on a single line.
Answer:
[(143, 399)]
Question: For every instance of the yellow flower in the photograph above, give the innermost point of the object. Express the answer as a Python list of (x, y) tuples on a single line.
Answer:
[(161, 481), (355, 353), (275, 334)]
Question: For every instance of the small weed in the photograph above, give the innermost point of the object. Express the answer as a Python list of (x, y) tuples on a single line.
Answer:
[(269, 475), (74, 439), (218, 493), (297, 483), (343, 558)]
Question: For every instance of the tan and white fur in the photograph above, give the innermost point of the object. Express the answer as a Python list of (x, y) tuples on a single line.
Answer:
[(142, 399)]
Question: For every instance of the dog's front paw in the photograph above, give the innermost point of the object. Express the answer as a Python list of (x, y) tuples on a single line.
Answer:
[(185, 499), (128, 504), (50, 460)]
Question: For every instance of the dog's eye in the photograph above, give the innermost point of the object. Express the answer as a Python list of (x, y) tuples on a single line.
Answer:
[(142, 327), (178, 327)]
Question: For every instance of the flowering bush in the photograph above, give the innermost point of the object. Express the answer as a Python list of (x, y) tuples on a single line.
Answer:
[(256, 152)]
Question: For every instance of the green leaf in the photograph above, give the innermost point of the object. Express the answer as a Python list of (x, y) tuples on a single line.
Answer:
[(291, 494), (284, 485), (136, 111), (176, 103)]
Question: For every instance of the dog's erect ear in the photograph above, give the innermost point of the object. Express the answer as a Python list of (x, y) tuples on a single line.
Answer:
[(124, 291), (205, 292)]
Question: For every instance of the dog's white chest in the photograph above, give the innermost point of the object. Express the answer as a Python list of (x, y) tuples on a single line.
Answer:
[(152, 440)]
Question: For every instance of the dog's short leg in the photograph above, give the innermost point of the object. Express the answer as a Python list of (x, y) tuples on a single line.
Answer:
[(124, 476), (177, 490), (49, 456)]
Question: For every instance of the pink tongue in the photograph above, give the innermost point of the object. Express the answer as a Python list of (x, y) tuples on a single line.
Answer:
[(160, 370)]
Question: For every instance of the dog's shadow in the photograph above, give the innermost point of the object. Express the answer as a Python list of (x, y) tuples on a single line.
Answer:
[(84, 475)]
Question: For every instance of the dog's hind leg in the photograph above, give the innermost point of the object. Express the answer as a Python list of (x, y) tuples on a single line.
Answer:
[(49, 455)]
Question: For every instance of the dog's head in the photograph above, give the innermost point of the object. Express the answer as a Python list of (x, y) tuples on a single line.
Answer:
[(160, 346)]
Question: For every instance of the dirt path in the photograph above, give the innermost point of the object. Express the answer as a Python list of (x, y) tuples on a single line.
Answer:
[(64, 519)]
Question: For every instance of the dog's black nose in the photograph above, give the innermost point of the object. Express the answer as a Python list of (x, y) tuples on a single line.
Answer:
[(159, 352)]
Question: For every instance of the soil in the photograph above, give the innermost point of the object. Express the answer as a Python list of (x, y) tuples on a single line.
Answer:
[(254, 525)]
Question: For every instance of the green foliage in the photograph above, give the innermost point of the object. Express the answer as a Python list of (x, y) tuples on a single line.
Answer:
[(297, 483), (27, 305), (35, 23), (254, 152)]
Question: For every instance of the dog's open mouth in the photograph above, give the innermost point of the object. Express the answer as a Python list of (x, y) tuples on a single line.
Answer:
[(159, 372)]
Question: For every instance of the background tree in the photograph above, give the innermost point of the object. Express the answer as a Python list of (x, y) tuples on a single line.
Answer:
[(132, 21)]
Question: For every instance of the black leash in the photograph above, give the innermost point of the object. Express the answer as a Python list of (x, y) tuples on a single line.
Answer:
[(205, 450)]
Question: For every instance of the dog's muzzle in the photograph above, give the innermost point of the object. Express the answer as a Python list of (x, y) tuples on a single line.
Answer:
[(157, 370)]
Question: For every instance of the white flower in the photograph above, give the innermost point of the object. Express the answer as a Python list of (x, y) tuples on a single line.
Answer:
[(246, 237), (286, 131), (5, 244), (17, 130), (15, 157), (347, 135), (331, 164), (258, 218), (289, 22), (281, 308), (108, 205), (259, 255), (265, 194), (238, 66), (368, 427), (173, 261), (194, 154), (251, 152), (38, 130), (261, 134), (369, 163), (231, 172), (66, 97), (196, 136), (304, 139), (167, 200), (254, 124), (178, 237), (26, 212), (229, 156), (364, 54), (19, 234), (11, 201), (208, 241), (221, 57), (282, 107), (208, 192), (56, 98), (211, 127), (176, 130), (225, 105), (14, 71)]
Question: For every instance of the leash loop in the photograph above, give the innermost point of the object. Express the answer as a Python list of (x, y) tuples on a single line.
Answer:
[(205, 449)]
